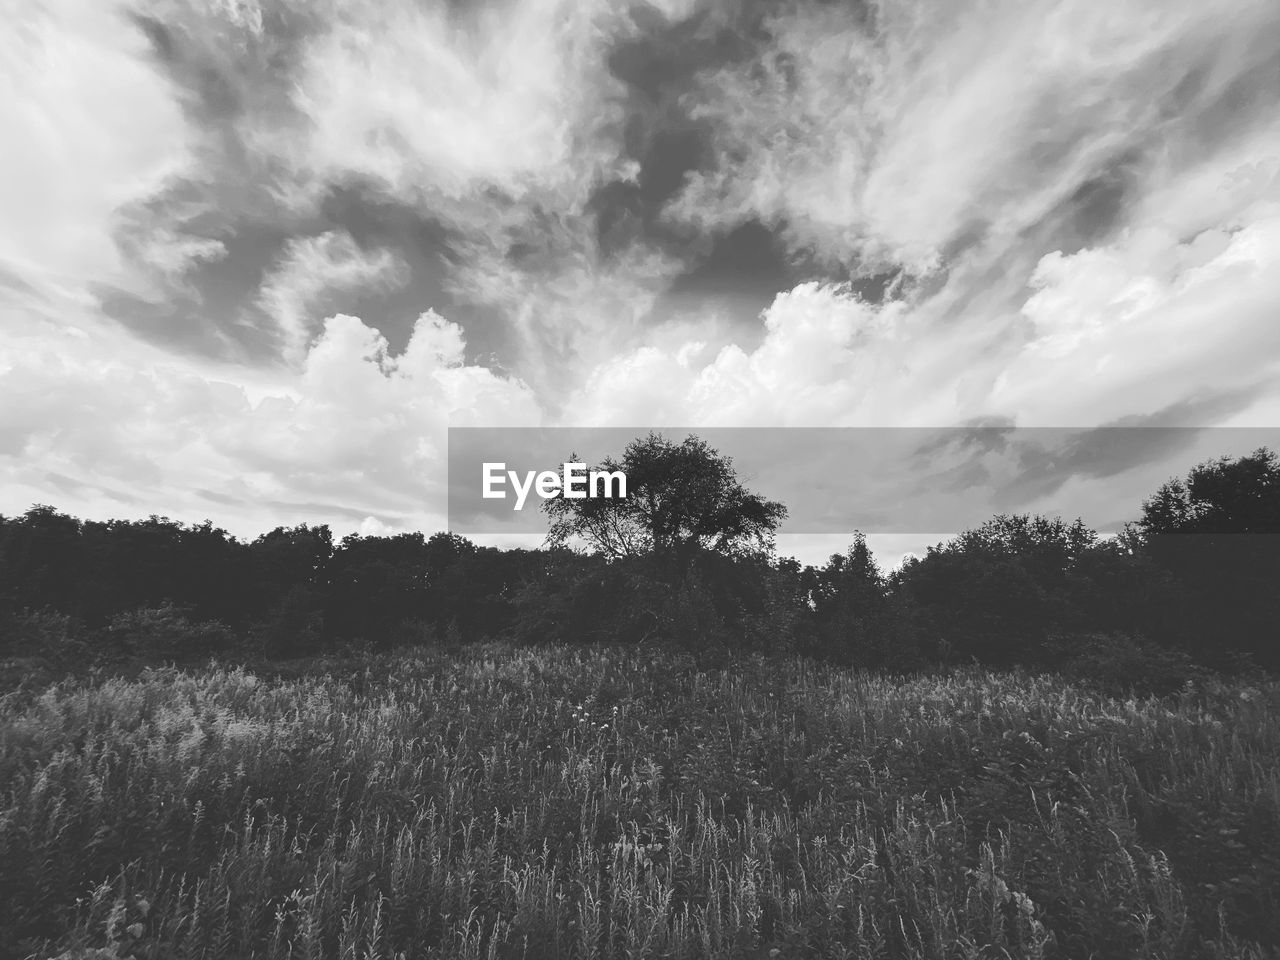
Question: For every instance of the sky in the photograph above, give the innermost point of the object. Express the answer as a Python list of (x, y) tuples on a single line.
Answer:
[(257, 256)]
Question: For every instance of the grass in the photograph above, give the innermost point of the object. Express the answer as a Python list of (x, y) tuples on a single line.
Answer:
[(502, 803)]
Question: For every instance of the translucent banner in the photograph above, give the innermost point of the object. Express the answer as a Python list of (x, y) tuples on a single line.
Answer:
[(836, 480)]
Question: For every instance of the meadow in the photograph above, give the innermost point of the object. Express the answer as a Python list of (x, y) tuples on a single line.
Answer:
[(561, 802)]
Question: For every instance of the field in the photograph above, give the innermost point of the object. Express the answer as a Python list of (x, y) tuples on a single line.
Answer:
[(549, 803)]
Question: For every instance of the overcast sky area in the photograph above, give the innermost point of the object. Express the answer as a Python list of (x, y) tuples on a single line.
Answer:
[(256, 256)]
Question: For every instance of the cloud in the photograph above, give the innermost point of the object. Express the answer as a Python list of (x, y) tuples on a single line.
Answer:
[(1046, 212), (828, 357), (1125, 328), (311, 267), (1149, 322), (1086, 196), (90, 128), (497, 123), (567, 308), (354, 427), (900, 138), (511, 99)]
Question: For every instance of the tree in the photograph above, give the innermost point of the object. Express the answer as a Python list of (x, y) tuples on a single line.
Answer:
[(682, 499), (375, 584), (291, 572), (1215, 533), (995, 591), (40, 560), (1219, 496)]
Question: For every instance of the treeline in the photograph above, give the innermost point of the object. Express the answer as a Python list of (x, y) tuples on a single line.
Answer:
[(159, 586), (1194, 578)]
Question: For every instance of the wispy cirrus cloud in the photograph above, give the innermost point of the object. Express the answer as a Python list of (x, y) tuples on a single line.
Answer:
[(442, 103), (897, 135), (310, 267), (91, 128)]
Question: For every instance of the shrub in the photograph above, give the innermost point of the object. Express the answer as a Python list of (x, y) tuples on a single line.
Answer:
[(295, 625), (615, 802), (1122, 665), (42, 633), (167, 632)]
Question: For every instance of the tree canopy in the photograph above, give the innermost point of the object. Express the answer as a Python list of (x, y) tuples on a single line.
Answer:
[(681, 498), (1215, 533)]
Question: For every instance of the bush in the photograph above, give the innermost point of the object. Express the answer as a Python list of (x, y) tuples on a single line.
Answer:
[(622, 802), (42, 633), (167, 632), (295, 625), (1122, 665)]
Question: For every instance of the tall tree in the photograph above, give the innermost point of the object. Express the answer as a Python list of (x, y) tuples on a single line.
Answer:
[(682, 498)]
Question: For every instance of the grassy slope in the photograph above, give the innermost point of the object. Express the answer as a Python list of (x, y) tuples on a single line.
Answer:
[(559, 803)]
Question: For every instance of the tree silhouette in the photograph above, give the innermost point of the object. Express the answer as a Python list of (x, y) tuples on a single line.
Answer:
[(1215, 533), (994, 591), (681, 499)]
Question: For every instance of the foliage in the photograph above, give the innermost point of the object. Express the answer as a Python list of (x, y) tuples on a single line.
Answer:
[(36, 646), (550, 802), (1122, 665), (685, 559), (993, 591), (1217, 534), (858, 619), (165, 632), (682, 499)]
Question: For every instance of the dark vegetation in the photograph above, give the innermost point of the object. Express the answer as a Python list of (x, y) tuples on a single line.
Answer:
[(685, 560), (548, 803), (1031, 742)]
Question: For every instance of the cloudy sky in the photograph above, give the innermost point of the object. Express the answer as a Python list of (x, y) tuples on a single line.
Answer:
[(257, 255)]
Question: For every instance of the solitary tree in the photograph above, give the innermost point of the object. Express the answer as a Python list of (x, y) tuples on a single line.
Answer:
[(682, 498)]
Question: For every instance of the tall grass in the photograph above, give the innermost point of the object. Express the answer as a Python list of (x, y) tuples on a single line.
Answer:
[(503, 803)]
